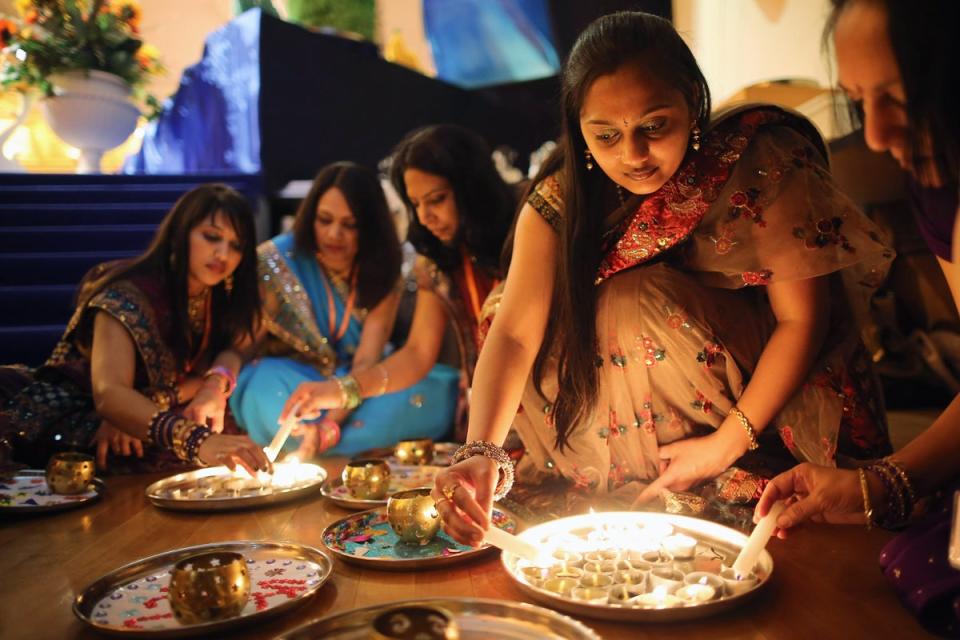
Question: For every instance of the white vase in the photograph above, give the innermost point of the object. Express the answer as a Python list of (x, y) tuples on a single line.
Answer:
[(92, 111)]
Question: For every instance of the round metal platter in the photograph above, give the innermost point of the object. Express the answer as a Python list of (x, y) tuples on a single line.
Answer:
[(26, 492), (367, 539), (476, 619), (402, 477), (197, 490), (132, 601), (714, 541)]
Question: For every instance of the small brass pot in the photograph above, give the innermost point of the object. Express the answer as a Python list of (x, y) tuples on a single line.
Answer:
[(413, 515), (209, 586), (414, 451), (415, 623), (70, 473), (367, 479)]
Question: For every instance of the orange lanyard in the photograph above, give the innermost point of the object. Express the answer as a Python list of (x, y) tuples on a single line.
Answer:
[(336, 334), (471, 285)]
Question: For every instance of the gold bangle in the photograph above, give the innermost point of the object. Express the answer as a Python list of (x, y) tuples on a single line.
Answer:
[(751, 432), (386, 379), (865, 490)]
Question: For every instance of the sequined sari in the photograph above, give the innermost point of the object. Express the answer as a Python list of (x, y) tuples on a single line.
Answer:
[(682, 314), (297, 297), (54, 408)]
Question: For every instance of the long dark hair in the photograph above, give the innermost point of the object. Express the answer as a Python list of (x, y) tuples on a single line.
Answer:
[(605, 46), (485, 203), (926, 46), (234, 314), (378, 247)]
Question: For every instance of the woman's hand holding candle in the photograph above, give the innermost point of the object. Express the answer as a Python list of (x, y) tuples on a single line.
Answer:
[(743, 566), (463, 494)]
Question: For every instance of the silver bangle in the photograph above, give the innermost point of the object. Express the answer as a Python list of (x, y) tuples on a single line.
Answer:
[(495, 453)]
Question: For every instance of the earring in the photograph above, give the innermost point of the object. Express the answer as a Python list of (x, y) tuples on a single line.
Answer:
[(228, 284), (695, 138), (589, 159)]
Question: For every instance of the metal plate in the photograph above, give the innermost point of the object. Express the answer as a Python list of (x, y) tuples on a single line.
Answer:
[(172, 492), (367, 539), (26, 491), (711, 538), (402, 477), (442, 454), (477, 619), (131, 600)]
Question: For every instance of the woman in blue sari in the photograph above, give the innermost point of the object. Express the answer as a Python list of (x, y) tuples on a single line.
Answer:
[(330, 290)]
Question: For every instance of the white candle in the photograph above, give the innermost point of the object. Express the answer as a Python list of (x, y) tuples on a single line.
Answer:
[(273, 450), (509, 542), (743, 566), (696, 593), (679, 545)]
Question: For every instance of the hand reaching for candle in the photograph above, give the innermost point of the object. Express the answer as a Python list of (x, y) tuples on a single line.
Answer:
[(207, 407), (821, 494), (686, 463), (312, 398), (463, 494), (234, 450), (110, 439)]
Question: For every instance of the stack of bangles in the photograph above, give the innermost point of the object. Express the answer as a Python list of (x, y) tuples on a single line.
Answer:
[(901, 497), (350, 391), (229, 379), (495, 453), (171, 431)]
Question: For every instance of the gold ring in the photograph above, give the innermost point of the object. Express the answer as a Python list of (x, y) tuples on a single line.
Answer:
[(437, 503), (449, 490)]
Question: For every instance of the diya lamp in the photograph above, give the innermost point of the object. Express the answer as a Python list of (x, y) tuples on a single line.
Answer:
[(209, 586), (70, 473), (418, 451), (367, 479), (413, 515), (415, 623)]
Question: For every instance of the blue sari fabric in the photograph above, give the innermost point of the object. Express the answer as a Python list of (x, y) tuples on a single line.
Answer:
[(424, 410)]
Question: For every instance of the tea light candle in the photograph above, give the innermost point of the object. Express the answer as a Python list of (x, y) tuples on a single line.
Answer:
[(750, 553), (568, 557), (667, 579), (679, 545), (657, 599), (521, 548), (696, 593), (590, 595), (735, 586)]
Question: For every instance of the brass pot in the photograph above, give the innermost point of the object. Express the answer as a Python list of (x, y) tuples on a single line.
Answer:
[(69, 473), (414, 451), (209, 586), (367, 479), (413, 515)]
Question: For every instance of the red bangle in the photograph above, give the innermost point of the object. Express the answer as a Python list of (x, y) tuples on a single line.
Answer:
[(227, 375)]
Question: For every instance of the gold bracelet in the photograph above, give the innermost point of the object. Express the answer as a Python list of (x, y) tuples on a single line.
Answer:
[(865, 490), (751, 432), (386, 379)]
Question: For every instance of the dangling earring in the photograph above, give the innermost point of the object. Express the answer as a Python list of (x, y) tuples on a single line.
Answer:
[(228, 284), (589, 159), (695, 138)]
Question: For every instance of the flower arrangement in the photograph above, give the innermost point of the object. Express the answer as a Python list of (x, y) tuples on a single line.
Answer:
[(55, 36)]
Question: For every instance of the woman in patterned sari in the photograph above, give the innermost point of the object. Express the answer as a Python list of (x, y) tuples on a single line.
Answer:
[(460, 211), (330, 299), (688, 286), (146, 363)]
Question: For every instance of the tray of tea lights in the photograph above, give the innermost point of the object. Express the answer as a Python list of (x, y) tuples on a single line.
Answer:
[(402, 477), (134, 599), (26, 491), (219, 489), (634, 566), (443, 618)]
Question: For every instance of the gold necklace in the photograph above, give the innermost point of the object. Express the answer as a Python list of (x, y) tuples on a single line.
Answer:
[(197, 310)]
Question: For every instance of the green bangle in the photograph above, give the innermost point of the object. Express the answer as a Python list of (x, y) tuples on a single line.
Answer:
[(350, 389)]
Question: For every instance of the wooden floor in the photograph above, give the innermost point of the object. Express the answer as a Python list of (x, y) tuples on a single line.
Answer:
[(826, 583)]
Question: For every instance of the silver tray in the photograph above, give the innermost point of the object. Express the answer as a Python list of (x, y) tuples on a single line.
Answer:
[(402, 477), (95, 604), (382, 549), (476, 618), (162, 492), (711, 537), (26, 491)]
